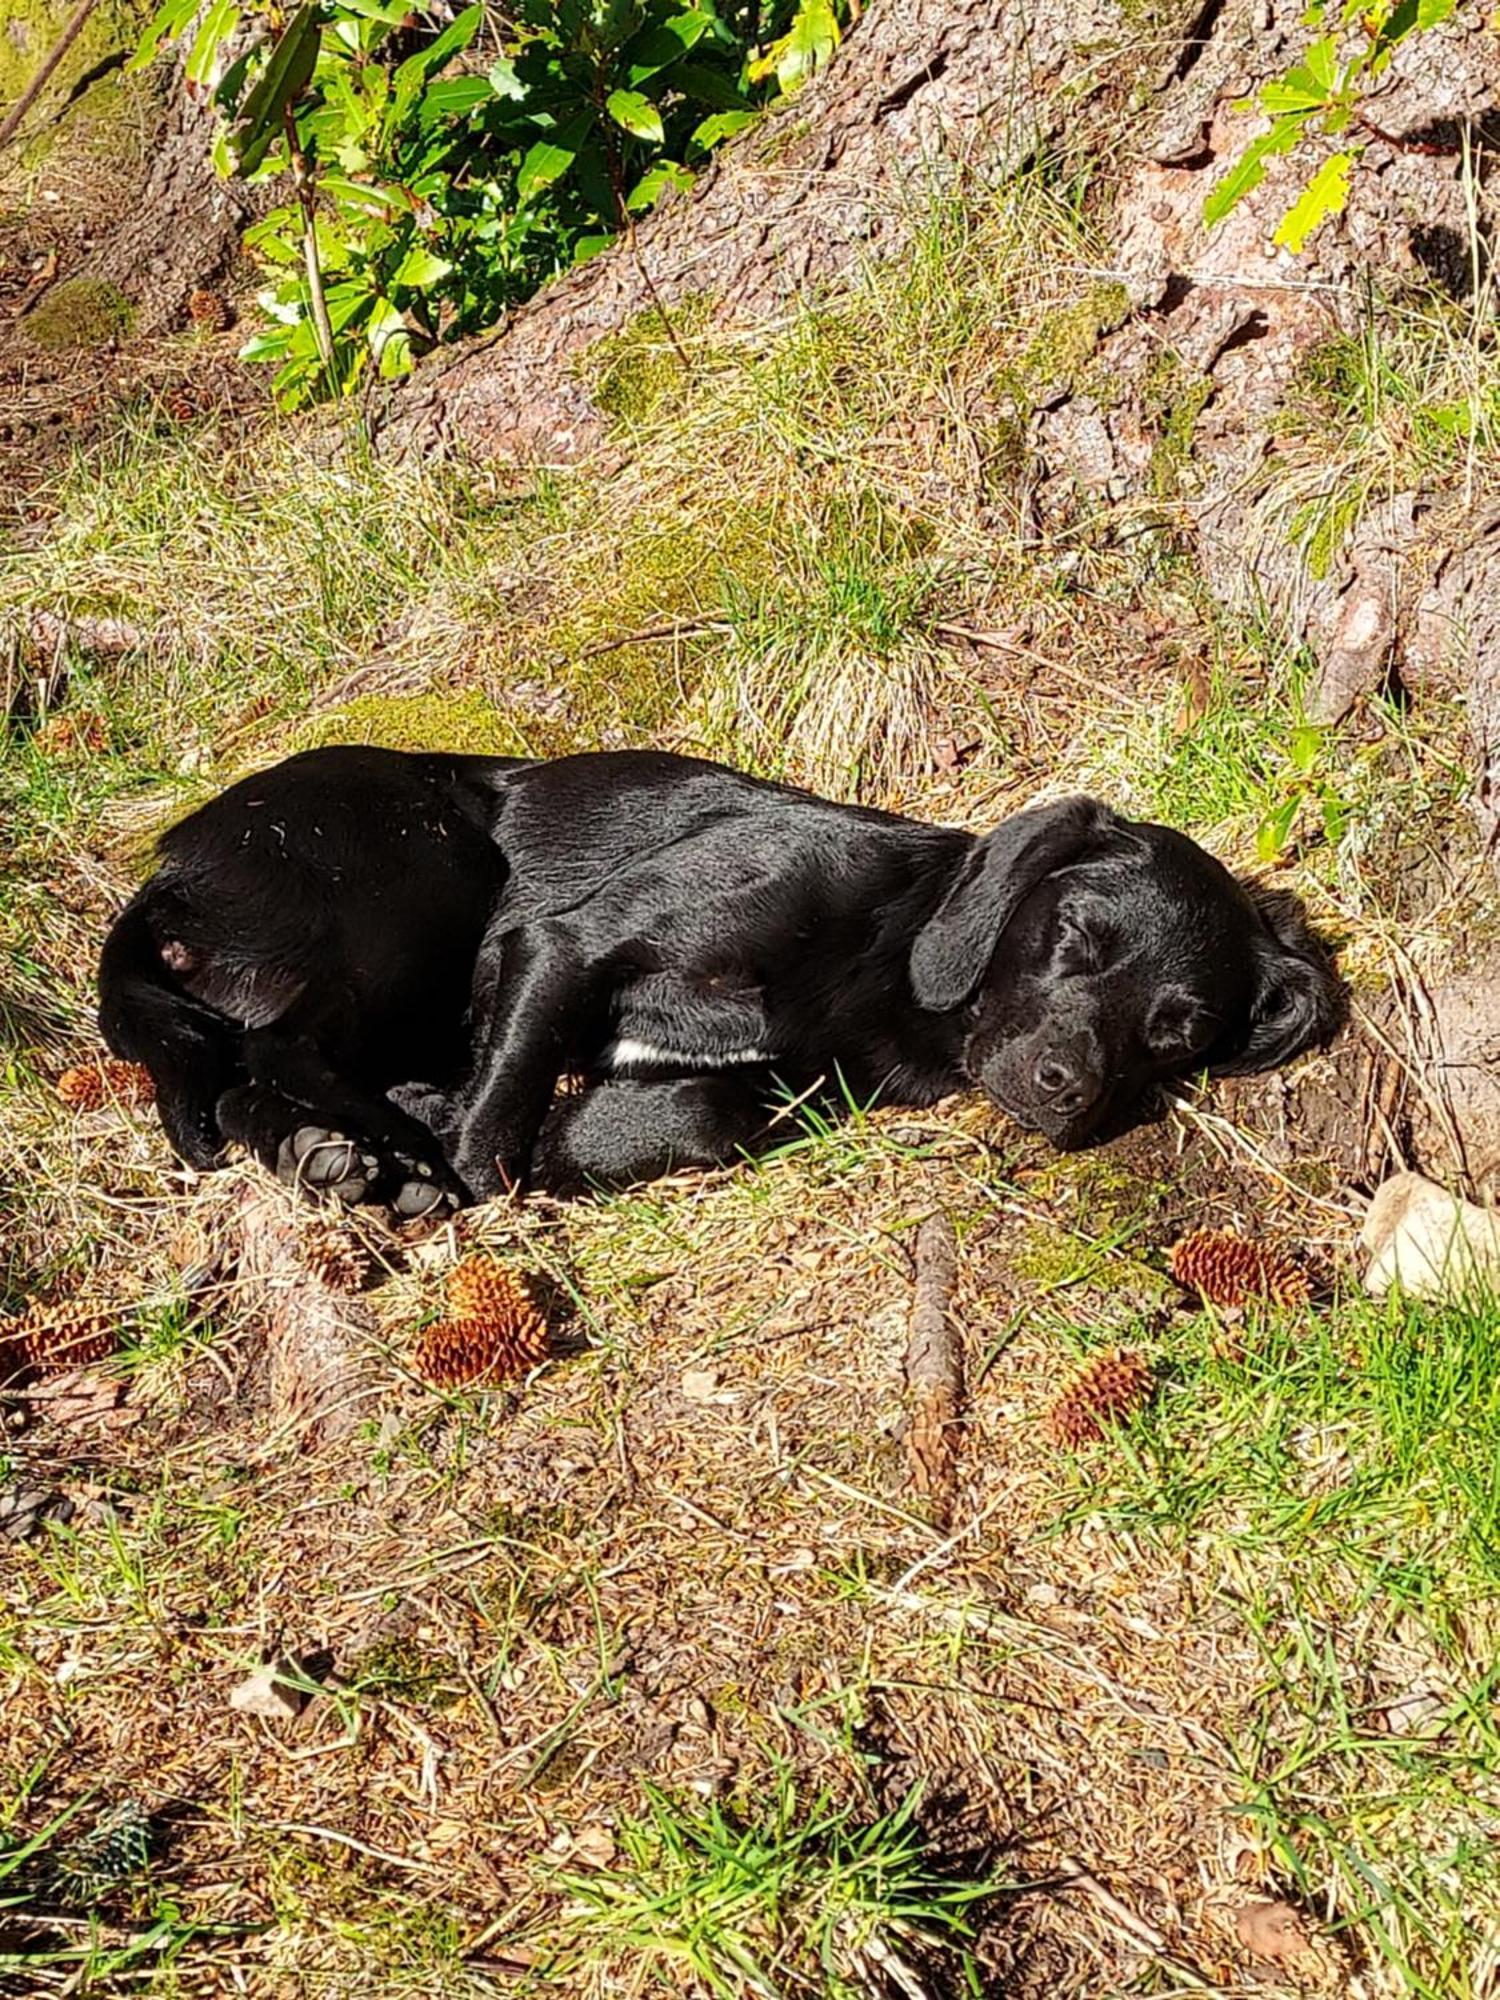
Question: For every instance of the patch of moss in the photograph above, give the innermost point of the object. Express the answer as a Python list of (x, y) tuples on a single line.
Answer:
[(1173, 400), (397, 1667), (467, 722), (1057, 356), (672, 568), (80, 312), (634, 373)]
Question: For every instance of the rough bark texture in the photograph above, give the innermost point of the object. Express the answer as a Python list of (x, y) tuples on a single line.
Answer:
[(1219, 326), (182, 232), (924, 88)]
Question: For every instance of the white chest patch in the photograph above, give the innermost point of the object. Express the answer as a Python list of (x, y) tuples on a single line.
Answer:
[(628, 1053)]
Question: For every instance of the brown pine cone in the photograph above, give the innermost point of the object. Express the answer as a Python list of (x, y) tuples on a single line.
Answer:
[(335, 1258), (453, 1352), (1109, 1386), (1229, 1270), (179, 406), (51, 1338), (210, 310), (88, 1085), (481, 1287), (61, 733)]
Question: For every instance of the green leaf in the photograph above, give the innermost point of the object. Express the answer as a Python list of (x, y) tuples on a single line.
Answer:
[(1324, 195), (637, 114), (282, 81), (414, 72), (805, 47), (549, 159), (219, 23), (165, 25), (1306, 742), (267, 346), (1249, 170), (1271, 834), (663, 43), (421, 267), (362, 197), (453, 97), (1247, 173), (590, 245), (503, 80), (721, 125), (654, 183), (389, 12), (1322, 62)]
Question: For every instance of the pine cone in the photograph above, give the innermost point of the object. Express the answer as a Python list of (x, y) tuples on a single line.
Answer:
[(118, 1847), (179, 406), (1229, 1270), (1109, 1386), (51, 1339), (60, 734), (481, 1287), (453, 1352), (335, 1258), (211, 311), (88, 1085)]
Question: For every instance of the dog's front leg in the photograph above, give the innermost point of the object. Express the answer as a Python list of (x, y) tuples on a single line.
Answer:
[(536, 995)]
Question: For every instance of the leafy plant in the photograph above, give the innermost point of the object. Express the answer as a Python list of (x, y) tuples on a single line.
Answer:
[(1325, 93), (1306, 783), (439, 176)]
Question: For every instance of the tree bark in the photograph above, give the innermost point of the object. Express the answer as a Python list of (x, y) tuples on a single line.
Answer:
[(923, 91), (182, 232)]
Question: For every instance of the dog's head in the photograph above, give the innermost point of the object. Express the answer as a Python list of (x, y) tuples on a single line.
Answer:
[(1096, 956)]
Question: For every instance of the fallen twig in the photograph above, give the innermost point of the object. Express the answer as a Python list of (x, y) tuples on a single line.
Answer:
[(53, 57), (934, 1368)]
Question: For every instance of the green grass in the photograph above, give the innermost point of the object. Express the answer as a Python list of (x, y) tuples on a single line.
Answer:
[(796, 1896), (1334, 1491)]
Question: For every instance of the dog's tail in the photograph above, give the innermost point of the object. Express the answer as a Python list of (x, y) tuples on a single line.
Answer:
[(145, 1014)]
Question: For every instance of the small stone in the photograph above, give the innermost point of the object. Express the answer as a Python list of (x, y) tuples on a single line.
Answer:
[(266, 1692), (1272, 1931), (700, 1385)]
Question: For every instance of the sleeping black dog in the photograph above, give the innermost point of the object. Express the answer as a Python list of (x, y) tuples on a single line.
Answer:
[(373, 969)]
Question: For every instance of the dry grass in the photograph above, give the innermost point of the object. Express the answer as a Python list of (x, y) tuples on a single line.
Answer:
[(572, 1646)]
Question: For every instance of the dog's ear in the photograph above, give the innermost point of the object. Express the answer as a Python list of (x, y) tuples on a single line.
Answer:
[(955, 945), (1300, 1001)]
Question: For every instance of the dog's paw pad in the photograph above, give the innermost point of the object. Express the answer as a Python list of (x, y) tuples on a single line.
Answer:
[(327, 1163), (419, 1198)]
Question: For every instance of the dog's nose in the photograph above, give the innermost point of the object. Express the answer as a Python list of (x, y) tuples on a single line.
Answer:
[(1058, 1080)]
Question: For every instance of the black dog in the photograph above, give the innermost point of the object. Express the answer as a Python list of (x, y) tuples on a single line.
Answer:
[(372, 969)]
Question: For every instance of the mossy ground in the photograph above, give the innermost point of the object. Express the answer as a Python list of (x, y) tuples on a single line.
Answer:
[(1241, 1650), (80, 312)]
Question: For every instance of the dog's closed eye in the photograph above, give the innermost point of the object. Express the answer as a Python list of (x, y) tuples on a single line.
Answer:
[(1079, 951)]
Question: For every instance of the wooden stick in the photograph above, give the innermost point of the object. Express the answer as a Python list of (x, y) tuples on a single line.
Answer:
[(934, 1369), (38, 83)]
